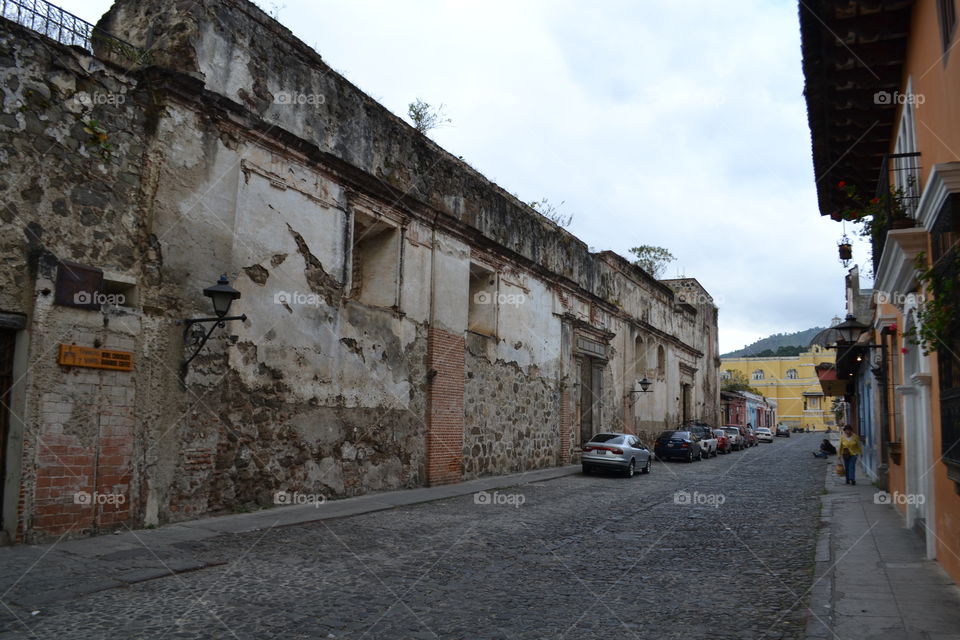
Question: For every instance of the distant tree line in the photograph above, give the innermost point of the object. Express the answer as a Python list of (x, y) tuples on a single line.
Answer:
[(779, 353)]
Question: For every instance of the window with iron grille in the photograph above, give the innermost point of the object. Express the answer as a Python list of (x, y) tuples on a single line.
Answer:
[(945, 254)]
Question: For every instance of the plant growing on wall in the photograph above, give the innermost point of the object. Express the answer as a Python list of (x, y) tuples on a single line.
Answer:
[(425, 117), (937, 314), (552, 213), (652, 259), (98, 138)]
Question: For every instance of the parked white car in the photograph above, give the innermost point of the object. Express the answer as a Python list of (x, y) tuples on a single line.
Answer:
[(764, 434), (736, 438), (708, 441)]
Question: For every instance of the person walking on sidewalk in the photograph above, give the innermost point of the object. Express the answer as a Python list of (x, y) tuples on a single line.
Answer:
[(849, 450)]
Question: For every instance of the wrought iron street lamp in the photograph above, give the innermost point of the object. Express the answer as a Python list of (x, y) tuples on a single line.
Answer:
[(850, 330), (222, 296), (644, 386)]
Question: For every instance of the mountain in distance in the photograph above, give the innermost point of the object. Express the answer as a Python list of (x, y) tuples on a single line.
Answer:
[(799, 339)]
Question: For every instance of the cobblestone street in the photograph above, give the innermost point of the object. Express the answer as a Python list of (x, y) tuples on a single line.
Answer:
[(582, 557)]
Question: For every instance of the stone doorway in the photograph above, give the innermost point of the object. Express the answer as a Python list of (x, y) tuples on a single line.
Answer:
[(7, 342)]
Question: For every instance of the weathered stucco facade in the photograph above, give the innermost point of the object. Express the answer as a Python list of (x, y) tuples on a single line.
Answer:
[(408, 322)]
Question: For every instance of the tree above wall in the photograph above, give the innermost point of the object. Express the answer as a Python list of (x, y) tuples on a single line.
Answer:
[(738, 382)]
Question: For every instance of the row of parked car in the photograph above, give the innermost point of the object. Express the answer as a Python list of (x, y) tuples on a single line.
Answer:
[(700, 441), (625, 453)]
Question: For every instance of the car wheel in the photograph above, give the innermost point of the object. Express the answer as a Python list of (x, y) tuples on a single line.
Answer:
[(630, 469), (690, 456), (646, 467)]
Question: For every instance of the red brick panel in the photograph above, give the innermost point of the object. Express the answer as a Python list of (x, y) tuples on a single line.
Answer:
[(82, 486), (445, 356)]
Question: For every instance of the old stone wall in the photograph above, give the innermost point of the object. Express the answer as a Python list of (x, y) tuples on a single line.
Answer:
[(407, 321), (512, 416), (71, 148)]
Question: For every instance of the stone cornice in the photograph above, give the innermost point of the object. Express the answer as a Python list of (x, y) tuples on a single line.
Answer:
[(895, 273), (944, 180)]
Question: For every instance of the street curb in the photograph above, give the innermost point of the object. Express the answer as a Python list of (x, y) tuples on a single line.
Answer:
[(821, 606), (290, 515)]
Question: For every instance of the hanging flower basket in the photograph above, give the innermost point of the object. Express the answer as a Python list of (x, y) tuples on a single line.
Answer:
[(846, 251)]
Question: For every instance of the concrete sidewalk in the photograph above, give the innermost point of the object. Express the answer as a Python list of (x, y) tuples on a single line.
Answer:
[(35, 576), (872, 580)]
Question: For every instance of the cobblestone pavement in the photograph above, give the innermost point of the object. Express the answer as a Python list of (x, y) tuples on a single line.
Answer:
[(718, 549)]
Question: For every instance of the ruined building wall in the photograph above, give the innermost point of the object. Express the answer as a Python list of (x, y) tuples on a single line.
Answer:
[(408, 322), (71, 135)]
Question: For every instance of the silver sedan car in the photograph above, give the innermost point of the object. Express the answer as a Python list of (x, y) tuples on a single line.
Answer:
[(615, 451)]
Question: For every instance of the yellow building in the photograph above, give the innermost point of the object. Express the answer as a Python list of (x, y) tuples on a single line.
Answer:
[(791, 381)]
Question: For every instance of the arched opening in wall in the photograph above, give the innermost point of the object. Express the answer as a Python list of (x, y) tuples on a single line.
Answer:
[(638, 358), (661, 362), (757, 374)]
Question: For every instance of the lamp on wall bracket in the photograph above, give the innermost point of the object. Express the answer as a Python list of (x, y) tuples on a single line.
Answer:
[(222, 296), (644, 386)]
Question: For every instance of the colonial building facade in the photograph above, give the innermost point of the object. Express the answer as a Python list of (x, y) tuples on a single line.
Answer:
[(882, 88), (792, 383), (405, 321)]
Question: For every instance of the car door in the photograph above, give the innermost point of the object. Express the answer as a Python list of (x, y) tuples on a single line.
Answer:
[(639, 453)]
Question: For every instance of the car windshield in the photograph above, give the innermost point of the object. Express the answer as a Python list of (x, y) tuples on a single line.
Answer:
[(732, 431), (719, 432), (608, 438)]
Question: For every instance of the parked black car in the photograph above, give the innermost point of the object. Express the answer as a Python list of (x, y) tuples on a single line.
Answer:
[(678, 444), (783, 430)]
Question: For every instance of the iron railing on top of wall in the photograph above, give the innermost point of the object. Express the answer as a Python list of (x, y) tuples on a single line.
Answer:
[(66, 28), (904, 168)]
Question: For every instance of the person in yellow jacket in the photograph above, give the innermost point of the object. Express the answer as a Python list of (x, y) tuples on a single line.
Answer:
[(849, 450)]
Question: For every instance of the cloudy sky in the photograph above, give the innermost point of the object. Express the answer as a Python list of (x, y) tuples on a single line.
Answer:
[(678, 124)]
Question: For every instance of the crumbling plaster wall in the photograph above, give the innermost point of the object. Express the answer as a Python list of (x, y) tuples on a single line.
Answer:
[(318, 394), (71, 152), (243, 54), (315, 392)]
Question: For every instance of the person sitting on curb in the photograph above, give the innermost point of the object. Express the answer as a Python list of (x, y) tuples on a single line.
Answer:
[(849, 450), (826, 449)]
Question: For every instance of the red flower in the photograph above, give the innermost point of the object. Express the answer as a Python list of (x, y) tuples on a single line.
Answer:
[(892, 327), (841, 184), (904, 350), (835, 216), (875, 201)]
